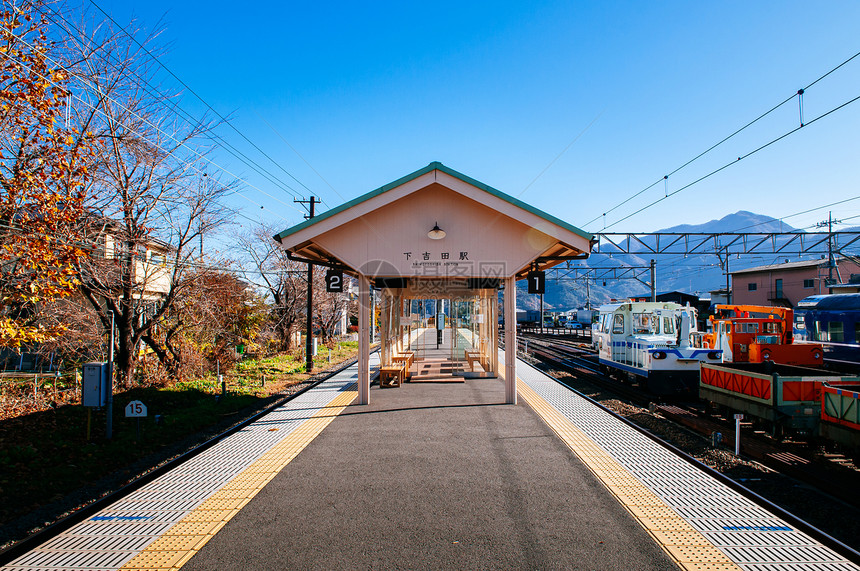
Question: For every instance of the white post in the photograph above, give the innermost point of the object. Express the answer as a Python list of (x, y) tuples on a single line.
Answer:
[(738, 418), (511, 340), (363, 339)]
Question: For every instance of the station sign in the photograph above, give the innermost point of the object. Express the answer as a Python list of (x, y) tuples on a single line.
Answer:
[(537, 281), (334, 281)]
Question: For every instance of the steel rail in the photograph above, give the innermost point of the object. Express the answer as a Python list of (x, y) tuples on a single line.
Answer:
[(826, 539)]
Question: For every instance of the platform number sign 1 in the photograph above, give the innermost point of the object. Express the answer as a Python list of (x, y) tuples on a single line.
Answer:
[(334, 281), (537, 282)]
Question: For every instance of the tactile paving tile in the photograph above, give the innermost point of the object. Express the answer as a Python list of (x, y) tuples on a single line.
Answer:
[(161, 525), (747, 534)]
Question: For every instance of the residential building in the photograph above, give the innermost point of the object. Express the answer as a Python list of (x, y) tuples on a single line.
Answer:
[(785, 284)]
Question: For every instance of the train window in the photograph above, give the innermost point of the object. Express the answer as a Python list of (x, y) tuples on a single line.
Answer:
[(618, 324), (746, 328), (641, 323), (857, 332), (668, 326), (820, 333), (837, 332), (772, 328), (655, 323)]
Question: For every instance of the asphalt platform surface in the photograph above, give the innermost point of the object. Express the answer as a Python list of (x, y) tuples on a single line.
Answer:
[(434, 476)]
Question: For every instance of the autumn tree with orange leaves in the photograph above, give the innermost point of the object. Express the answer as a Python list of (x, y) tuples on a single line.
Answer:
[(43, 181)]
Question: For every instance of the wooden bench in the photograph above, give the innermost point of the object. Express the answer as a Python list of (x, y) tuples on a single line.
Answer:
[(406, 359), (473, 357), (391, 376)]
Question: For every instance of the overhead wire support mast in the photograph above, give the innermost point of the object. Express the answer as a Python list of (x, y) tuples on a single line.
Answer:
[(831, 263), (309, 322)]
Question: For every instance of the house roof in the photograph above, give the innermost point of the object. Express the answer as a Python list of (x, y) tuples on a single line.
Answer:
[(420, 172), (785, 266)]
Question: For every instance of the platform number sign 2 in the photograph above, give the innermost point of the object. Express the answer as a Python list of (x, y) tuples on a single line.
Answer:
[(334, 281), (537, 282)]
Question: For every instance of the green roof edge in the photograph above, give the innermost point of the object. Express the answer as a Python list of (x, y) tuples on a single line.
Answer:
[(430, 168)]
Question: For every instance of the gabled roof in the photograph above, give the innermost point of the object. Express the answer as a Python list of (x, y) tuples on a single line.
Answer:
[(788, 266), (430, 168)]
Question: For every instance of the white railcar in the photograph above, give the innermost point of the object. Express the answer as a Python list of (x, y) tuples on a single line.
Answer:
[(649, 343)]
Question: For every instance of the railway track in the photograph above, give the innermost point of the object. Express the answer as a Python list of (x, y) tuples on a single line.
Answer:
[(831, 474)]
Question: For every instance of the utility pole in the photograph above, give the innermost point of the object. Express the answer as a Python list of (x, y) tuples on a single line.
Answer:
[(653, 280), (831, 262), (728, 289), (587, 295), (309, 323)]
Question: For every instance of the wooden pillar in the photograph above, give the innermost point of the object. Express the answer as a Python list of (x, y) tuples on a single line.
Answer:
[(511, 340), (363, 339)]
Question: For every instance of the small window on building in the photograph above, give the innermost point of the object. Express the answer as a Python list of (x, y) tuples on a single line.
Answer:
[(808, 284), (752, 287), (618, 324)]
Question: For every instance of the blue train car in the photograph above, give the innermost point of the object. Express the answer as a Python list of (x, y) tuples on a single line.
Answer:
[(834, 321)]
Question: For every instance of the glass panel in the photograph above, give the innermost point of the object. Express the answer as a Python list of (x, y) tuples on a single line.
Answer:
[(668, 326), (837, 334), (820, 333), (641, 323), (618, 324)]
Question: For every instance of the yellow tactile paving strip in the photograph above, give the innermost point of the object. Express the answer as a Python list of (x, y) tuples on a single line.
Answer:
[(686, 546), (182, 541)]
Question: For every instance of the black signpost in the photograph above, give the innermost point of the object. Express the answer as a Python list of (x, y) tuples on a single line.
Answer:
[(334, 281), (537, 281)]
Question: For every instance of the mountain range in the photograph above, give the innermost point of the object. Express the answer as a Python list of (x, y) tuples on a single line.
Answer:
[(695, 274)]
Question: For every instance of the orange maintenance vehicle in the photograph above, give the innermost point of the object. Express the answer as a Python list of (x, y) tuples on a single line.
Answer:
[(756, 333)]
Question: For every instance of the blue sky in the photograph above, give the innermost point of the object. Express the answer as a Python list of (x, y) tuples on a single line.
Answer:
[(570, 106)]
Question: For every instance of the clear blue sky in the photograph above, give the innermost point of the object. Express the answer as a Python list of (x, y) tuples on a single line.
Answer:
[(570, 106)]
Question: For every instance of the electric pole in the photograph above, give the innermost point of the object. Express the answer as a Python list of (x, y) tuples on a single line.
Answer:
[(653, 280), (831, 262), (309, 323)]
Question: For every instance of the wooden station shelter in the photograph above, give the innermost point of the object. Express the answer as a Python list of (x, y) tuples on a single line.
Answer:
[(439, 246)]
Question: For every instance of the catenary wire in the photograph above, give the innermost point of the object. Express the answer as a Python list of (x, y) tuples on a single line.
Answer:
[(173, 106), (777, 106), (210, 161), (727, 165), (160, 63)]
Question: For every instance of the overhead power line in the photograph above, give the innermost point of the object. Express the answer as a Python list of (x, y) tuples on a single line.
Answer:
[(173, 106), (665, 178), (157, 128), (176, 77)]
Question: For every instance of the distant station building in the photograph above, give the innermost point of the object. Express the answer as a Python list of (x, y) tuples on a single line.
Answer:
[(438, 246), (676, 296), (783, 285)]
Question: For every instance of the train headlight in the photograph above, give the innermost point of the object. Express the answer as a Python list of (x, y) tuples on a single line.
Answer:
[(713, 355), (659, 354)]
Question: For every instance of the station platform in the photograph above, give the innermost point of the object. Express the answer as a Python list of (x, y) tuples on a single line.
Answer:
[(435, 476)]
